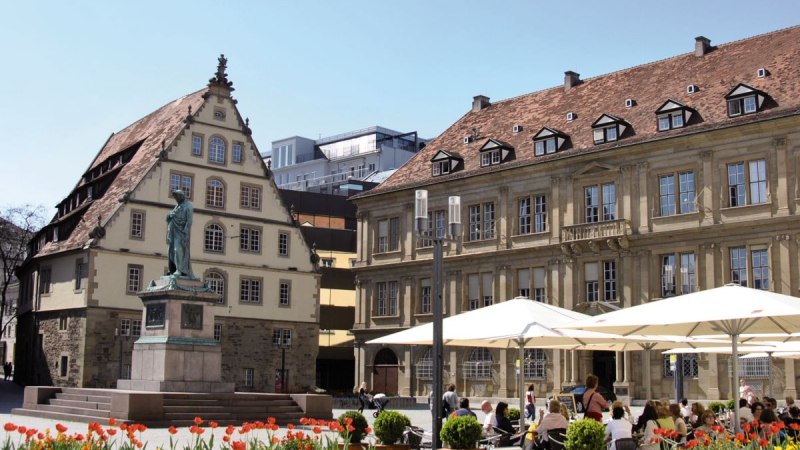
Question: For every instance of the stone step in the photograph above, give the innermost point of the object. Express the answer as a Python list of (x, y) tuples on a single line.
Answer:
[(56, 415), (84, 398), (75, 411), (189, 416), (189, 402), (261, 403), (262, 410), (88, 391), (206, 409), (80, 404)]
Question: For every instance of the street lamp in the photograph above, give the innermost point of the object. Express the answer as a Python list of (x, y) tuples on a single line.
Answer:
[(454, 220)]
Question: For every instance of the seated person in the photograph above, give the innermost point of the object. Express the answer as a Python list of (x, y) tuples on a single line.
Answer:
[(618, 427), (463, 409), (504, 424), (551, 421), (489, 421), (744, 410)]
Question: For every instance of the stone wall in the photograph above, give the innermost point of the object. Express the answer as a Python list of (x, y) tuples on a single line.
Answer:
[(56, 343), (104, 348)]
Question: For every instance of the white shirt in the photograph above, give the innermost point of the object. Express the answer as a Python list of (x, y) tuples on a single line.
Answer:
[(686, 411), (746, 413), (618, 429), (488, 423)]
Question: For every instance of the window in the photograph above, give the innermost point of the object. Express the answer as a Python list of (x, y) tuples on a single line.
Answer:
[(249, 376), (63, 369), (425, 299), (135, 274), (180, 181), (490, 158), (197, 145), (524, 283), (544, 146), (125, 327), (63, 322), (670, 121), (608, 129), (126, 372), (441, 167), (284, 293), (678, 270), (218, 332), (686, 193), (754, 367), (327, 262), (283, 244), (388, 235), (236, 152), (535, 364), (592, 203), (216, 282), (539, 217), (742, 105), (673, 114), (425, 365), (136, 328), (752, 174), (249, 239), (479, 290), (215, 193), (137, 224), (690, 367), (214, 238), (443, 163), (216, 150), (81, 272), (606, 134), (437, 224), (479, 364), (481, 221), (592, 281), (494, 152), (387, 298), (45, 280), (759, 261), (250, 290), (282, 337), (250, 197)]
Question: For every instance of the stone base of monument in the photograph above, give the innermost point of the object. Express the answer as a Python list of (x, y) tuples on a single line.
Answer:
[(177, 351)]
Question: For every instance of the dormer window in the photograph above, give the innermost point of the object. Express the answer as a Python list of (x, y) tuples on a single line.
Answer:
[(547, 141), (673, 114), (744, 99), (445, 162), (494, 152), (608, 129)]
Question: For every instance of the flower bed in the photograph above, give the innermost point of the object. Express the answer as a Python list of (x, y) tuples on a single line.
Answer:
[(754, 436), (319, 435)]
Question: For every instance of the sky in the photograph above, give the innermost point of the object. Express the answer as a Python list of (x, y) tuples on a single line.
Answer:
[(77, 71)]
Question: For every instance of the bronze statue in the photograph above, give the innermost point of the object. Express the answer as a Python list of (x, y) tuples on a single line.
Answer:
[(179, 225)]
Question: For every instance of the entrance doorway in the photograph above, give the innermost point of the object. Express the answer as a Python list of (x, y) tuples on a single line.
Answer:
[(386, 372), (605, 367)]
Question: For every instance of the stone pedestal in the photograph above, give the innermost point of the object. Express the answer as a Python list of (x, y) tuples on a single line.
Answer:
[(177, 351)]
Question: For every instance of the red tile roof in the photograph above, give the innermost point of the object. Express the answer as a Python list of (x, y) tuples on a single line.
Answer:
[(650, 85), (163, 125)]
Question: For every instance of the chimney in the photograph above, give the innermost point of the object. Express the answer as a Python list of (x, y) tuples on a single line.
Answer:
[(571, 79), (702, 45), (479, 102)]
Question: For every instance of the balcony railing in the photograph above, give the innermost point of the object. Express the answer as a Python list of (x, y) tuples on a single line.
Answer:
[(595, 230)]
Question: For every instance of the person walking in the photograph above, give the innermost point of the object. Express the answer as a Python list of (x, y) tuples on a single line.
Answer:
[(449, 400), (362, 396)]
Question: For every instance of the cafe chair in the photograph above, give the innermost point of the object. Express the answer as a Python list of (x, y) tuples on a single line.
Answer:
[(626, 444), (556, 438)]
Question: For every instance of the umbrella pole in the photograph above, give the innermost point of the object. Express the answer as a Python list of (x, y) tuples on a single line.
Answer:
[(735, 381), (769, 375), (521, 384), (647, 370)]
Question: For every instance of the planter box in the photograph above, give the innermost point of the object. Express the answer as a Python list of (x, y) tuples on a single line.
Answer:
[(393, 447)]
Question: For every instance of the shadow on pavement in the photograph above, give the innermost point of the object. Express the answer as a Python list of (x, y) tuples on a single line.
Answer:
[(10, 396)]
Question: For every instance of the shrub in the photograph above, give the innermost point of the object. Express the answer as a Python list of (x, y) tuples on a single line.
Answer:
[(730, 404), (716, 407), (586, 434), (513, 414), (390, 425), (461, 432), (359, 423)]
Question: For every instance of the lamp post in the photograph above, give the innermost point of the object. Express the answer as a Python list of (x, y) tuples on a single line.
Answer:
[(454, 220)]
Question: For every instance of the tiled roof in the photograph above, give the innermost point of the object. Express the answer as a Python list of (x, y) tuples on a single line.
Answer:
[(650, 85), (162, 125)]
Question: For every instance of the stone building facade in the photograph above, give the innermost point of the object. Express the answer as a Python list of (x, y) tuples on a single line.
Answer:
[(80, 312), (662, 179)]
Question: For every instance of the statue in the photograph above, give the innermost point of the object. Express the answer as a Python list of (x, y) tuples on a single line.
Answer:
[(179, 225)]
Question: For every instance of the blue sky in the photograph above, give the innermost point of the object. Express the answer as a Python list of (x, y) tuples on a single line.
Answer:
[(77, 71)]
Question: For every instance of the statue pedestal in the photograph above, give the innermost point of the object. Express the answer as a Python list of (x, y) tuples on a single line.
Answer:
[(177, 351)]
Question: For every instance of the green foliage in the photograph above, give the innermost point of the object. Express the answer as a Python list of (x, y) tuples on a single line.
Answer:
[(716, 407), (731, 404), (359, 422), (461, 432), (389, 426), (586, 434), (513, 414)]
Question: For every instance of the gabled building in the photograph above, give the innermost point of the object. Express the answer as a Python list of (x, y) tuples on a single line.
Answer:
[(80, 309), (653, 181)]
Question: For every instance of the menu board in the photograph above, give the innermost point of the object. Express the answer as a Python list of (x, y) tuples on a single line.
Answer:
[(567, 400)]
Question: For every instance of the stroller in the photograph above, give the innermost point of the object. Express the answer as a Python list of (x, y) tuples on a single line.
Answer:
[(378, 402)]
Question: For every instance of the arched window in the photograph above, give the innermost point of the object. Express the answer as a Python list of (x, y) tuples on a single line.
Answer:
[(216, 282), (215, 193), (535, 364), (215, 238), (479, 364), (425, 365), (216, 150)]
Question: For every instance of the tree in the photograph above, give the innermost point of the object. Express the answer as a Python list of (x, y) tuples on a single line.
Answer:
[(18, 224)]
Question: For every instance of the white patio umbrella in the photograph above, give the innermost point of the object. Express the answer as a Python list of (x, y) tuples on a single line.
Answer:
[(730, 310), (518, 323)]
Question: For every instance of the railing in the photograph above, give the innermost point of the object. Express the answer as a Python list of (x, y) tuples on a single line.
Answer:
[(595, 230)]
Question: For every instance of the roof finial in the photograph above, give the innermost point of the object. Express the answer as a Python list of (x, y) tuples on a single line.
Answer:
[(221, 78)]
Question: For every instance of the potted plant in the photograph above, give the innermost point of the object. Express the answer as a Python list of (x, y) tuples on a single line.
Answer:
[(717, 407), (513, 414), (462, 432), (354, 428), (586, 434), (389, 428)]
